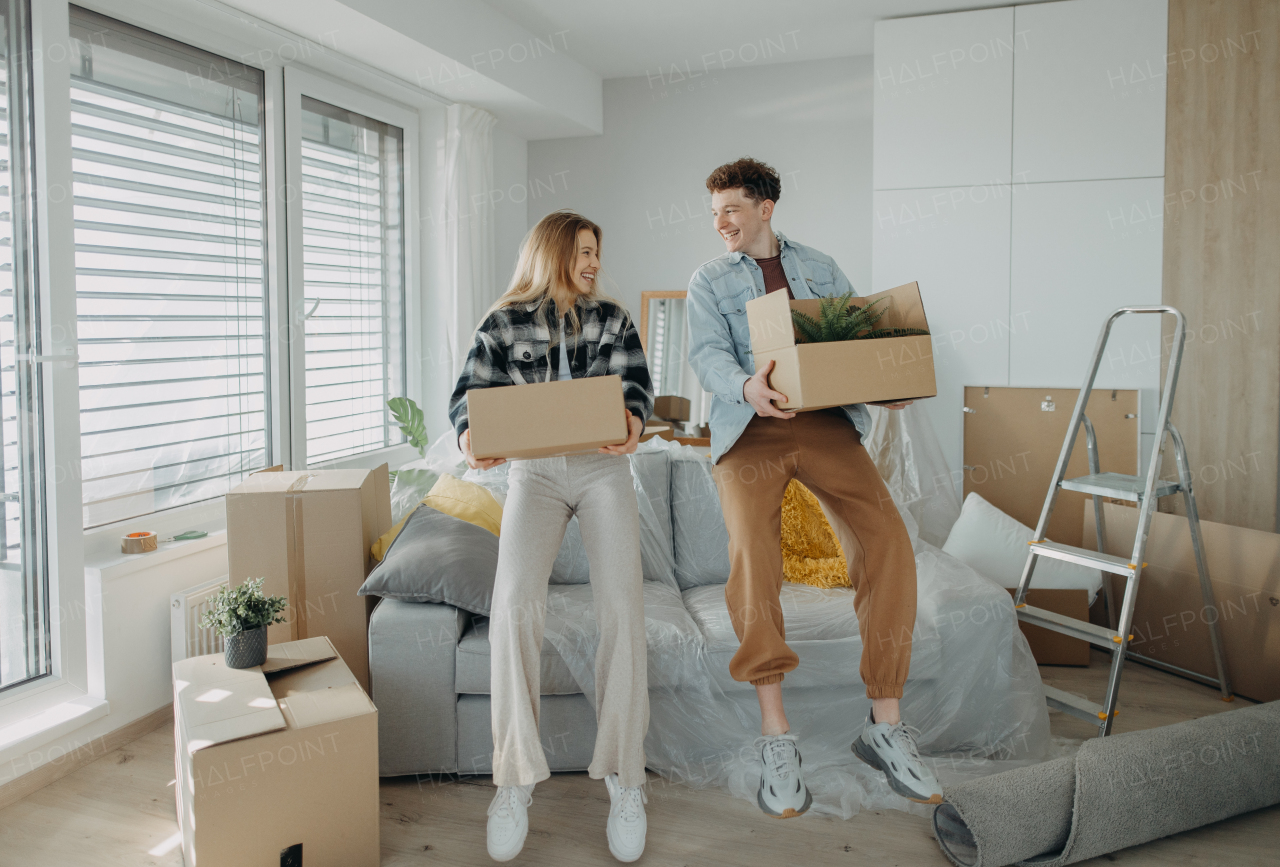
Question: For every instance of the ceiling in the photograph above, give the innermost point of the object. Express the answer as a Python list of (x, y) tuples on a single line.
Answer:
[(623, 38)]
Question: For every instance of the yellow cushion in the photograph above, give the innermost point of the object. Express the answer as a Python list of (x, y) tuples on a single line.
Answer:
[(464, 500), (810, 551)]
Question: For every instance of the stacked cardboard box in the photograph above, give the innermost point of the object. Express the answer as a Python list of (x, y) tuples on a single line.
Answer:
[(309, 535), (276, 764)]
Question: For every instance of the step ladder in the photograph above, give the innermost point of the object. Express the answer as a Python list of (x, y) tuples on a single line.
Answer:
[(1146, 492)]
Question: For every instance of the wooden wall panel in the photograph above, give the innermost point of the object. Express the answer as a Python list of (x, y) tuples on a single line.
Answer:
[(1222, 249)]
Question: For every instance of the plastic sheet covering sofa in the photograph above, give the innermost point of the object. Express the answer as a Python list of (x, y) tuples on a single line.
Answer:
[(974, 691)]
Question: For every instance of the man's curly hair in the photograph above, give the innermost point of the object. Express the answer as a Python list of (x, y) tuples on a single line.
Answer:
[(758, 180)]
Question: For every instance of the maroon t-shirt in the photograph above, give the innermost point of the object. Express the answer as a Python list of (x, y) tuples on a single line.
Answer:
[(775, 278)]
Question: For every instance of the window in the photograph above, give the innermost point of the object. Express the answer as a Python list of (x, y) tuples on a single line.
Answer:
[(170, 279), (353, 285), (24, 586)]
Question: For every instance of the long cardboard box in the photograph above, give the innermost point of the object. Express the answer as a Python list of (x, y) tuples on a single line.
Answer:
[(309, 535), (276, 765), (547, 419), (821, 375), (1170, 622)]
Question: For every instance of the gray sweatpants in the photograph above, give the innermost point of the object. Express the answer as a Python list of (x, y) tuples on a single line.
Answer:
[(544, 494)]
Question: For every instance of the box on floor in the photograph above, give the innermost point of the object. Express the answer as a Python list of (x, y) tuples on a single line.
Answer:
[(821, 375), (278, 764), (309, 535), (1170, 622), (547, 419)]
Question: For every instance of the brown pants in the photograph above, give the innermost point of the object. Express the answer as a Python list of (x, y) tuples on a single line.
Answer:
[(824, 452)]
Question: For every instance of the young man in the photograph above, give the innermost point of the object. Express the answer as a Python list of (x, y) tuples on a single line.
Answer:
[(750, 439)]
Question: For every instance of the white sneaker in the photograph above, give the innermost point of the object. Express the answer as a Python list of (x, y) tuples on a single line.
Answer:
[(783, 793), (627, 822), (892, 749), (509, 821)]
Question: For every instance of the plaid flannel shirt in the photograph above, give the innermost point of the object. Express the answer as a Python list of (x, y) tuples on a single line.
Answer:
[(511, 348)]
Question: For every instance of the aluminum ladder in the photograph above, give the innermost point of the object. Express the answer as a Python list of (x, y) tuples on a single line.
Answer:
[(1143, 490)]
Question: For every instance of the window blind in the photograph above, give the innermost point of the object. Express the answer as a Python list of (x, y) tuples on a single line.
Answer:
[(167, 161), (353, 264)]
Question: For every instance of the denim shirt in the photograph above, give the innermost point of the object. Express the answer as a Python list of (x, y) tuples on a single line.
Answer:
[(720, 342)]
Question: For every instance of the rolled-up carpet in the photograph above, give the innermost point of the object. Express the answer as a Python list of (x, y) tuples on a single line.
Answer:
[(1116, 792)]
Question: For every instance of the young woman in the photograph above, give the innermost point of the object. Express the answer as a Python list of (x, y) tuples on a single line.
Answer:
[(553, 323)]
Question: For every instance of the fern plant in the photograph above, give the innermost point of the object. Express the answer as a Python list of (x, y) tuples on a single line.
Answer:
[(408, 416), (838, 320)]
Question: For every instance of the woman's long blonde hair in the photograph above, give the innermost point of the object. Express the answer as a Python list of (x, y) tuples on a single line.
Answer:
[(545, 270)]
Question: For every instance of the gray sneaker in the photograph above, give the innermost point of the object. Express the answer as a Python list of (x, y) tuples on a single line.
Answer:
[(892, 749), (783, 794)]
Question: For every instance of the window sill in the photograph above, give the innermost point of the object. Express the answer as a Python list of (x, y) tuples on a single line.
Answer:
[(22, 737)]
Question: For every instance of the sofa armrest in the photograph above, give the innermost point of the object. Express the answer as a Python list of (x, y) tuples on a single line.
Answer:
[(412, 646)]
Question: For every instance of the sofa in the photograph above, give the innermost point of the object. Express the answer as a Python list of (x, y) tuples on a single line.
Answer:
[(430, 663)]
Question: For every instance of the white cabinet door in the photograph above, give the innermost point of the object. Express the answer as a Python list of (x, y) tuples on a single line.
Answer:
[(1081, 250), (1089, 90), (943, 98), (955, 244)]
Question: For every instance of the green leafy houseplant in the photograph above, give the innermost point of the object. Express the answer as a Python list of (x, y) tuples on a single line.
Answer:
[(235, 610), (409, 416), (838, 320)]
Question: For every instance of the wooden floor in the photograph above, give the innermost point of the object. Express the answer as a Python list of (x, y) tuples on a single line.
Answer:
[(119, 810)]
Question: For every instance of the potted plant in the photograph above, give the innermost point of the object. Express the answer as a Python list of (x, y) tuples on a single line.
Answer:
[(241, 615), (838, 320)]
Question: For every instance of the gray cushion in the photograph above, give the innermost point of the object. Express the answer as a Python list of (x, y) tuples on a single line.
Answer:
[(438, 558), (699, 537), (474, 665)]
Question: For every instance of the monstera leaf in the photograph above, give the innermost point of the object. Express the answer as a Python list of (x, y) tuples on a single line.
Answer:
[(409, 416)]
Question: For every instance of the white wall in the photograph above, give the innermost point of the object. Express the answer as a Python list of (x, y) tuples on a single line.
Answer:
[(510, 197), (643, 180), (1019, 161)]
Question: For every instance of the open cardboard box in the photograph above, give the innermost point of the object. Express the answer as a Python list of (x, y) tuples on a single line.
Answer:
[(309, 534), (821, 375), (547, 419), (277, 764)]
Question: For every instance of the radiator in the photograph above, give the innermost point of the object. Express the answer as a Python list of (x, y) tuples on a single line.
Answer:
[(186, 608)]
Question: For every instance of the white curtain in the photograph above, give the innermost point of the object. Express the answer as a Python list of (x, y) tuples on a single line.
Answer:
[(470, 256)]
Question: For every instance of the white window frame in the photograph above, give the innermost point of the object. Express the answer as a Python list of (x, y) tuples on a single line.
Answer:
[(299, 82), (34, 714)]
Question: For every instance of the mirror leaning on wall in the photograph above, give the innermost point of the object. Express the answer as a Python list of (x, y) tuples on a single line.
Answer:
[(664, 332)]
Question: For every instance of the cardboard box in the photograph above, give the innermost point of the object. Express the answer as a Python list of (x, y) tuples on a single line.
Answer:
[(276, 764), (547, 419), (309, 534), (1170, 623), (672, 407), (1012, 439), (821, 375), (658, 429), (1054, 648)]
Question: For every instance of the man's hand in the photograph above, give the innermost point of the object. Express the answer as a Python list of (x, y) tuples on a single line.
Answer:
[(636, 427), (756, 391), (893, 404), (472, 461)]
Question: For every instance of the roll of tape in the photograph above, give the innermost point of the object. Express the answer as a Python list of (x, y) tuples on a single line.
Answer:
[(138, 543)]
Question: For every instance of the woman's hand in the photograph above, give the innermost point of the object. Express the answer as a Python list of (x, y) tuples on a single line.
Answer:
[(636, 427), (472, 461)]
